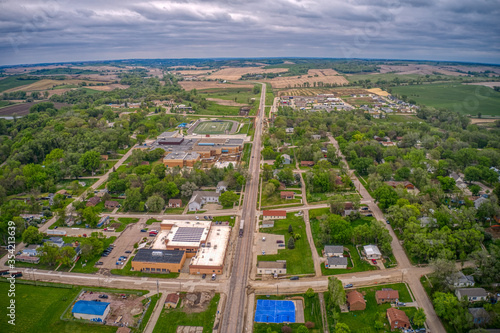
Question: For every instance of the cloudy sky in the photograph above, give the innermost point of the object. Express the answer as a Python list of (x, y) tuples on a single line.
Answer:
[(68, 30)]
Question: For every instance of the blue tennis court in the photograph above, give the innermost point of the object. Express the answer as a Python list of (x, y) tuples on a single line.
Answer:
[(271, 311)]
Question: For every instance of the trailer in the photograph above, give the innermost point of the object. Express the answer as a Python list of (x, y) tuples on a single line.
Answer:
[(242, 226), (56, 232)]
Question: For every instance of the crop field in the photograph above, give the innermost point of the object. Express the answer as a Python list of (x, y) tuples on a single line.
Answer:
[(109, 87), (13, 82), (235, 73), (378, 91), (211, 127), (421, 69), (23, 109), (466, 99), (314, 75), (198, 85)]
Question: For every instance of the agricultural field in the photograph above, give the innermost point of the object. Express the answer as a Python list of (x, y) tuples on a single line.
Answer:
[(200, 85), (23, 109), (465, 99), (108, 87), (421, 69), (241, 96), (235, 73), (13, 82), (326, 76), (44, 84)]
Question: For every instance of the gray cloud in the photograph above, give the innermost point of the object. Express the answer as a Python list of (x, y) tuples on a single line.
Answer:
[(60, 30)]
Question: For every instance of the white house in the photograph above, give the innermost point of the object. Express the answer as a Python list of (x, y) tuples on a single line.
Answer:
[(316, 137), (460, 280), (91, 310), (336, 262), (333, 251), (289, 130), (472, 294), (221, 187), (271, 267), (200, 198), (372, 252)]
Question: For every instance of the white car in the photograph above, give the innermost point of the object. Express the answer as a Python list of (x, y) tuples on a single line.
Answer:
[(197, 217)]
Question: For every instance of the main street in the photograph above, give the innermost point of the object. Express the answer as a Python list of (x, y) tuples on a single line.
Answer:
[(233, 316)]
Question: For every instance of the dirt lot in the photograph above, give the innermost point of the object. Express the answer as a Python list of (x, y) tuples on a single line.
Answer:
[(314, 75), (196, 302), (225, 102), (199, 85), (23, 109), (482, 120), (127, 307)]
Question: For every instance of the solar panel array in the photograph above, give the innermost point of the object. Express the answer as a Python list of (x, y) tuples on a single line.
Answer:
[(189, 235)]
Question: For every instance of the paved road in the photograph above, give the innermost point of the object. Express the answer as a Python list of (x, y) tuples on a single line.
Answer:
[(234, 312)]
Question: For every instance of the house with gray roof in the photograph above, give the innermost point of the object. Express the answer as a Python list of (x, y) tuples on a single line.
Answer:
[(459, 279), (333, 251), (478, 202), (286, 159), (472, 294), (336, 262), (200, 198), (221, 186)]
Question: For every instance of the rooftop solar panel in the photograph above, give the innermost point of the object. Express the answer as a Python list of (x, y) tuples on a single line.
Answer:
[(189, 235)]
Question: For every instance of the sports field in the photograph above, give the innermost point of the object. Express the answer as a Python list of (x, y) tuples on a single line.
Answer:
[(213, 127)]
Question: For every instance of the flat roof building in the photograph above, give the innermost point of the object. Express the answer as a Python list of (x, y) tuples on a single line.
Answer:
[(181, 159), (211, 255), (158, 261), (91, 310)]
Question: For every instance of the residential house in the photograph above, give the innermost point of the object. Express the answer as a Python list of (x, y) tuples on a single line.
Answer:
[(111, 204), (274, 214), (171, 301), (480, 316), (56, 241), (398, 319), (478, 202), (62, 192), (200, 198), (174, 203), (333, 251), (307, 163), (105, 157), (459, 279), (388, 144), (271, 267), (221, 187), (456, 177), (286, 159), (267, 224), (288, 195), (372, 252), (316, 137), (289, 130), (386, 296), (406, 184), (336, 262), (30, 251), (93, 201), (355, 301), (348, 209), (472, 294)]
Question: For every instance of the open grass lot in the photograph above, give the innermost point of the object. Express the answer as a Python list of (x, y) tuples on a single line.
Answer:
[(275, 199), (238, 95), (38, 310), (363, 321), (324, 197), (227, 218), (14, 82), (124, 221), (213, 127), (466, 99), (170, 319), (89, 267), (299, 260), (127, 270), (312, 313)]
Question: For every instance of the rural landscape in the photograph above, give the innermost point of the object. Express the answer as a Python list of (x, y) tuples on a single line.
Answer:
[(234, 167)]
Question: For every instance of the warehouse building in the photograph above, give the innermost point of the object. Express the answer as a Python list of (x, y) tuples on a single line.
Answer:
[(91, 310), (158, 261)]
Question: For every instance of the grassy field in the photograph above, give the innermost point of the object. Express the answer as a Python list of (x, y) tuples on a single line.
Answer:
[(170, 319), (14, 82), (275, 199), (466, 99), (127, 271), (299, 260), (124, 222), (363, 321), (212, 127), (312, 313), (38, 310), (227, 218), (238, 95), (89, 268), (217, 109)]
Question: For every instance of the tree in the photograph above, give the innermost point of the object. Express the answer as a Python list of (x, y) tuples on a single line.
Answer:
[(65, 256), (386, 196), (419, 318), (290, 229), (291, 243), (361, 164), (91, 247), (302, 329), (336, 292), (159, 171), (48, 254), (155, 203), (90, 160), (187, 189), (342, 328), (133, 199), (32, 236), (475, 189), (90, 216), (228, 198), (337, 204), (472, 173)]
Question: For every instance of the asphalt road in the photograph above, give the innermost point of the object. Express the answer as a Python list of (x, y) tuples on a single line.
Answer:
[(234, 312)]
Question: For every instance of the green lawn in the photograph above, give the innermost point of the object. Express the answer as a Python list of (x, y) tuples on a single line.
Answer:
[(211, 127), (227, 218), (466, 99), (247, 151), (124, 221), (5, 103), (38, 310), (275, 199), (299, 260), (171, 318), (127, 270), (312, 313), (90, 264), (363, 321), (175, 211), (151, 221)]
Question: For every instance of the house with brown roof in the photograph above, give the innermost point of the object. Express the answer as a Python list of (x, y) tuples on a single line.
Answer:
[(348, 209), (171, 301), (111, 204), (274, 214), (62, 192), (174, 203), (355, 301), (386, 296), (287, 195), (93, 201), (105, 157), (307, 163), (405, 184), (397, 319)]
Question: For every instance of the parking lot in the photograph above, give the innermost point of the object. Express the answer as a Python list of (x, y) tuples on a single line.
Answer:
[(270, 245), (125, 242)]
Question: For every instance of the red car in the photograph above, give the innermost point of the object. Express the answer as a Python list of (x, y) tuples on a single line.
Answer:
[(374, 261)]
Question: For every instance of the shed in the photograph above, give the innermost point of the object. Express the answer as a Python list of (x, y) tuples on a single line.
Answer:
[(171, 301)]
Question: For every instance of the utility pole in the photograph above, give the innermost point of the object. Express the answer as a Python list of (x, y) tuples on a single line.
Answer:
[(157, 287)]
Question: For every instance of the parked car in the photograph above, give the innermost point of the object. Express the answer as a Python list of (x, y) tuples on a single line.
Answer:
[(263, 239), (401, 304), (103, 296), (369, 215), (387, 222), (197, 217), (210, 217), (213, 277), (293, 278), (99, 263), (204, 276), (348, 285), (279, 241), (374, 261), (364, 208), (119, 263), (206, 218), (128, 251), (144, 230), (281, 245), (263, 253), (56, 227), (104, 254), (84, 235)]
